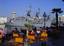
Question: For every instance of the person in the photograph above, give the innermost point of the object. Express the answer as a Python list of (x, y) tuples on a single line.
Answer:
[(31, 36), (14, 34), (23, 31), (44, 37), (38, 34), (2, 34), (16, 29)]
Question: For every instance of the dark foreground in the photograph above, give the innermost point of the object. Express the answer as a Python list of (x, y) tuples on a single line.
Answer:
[(51, 41)]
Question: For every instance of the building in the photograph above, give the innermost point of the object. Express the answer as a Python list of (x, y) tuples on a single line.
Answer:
[(60, 20), (3, 21), (21, 21)]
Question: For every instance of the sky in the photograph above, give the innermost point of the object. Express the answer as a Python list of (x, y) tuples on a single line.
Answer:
[(21, 6)]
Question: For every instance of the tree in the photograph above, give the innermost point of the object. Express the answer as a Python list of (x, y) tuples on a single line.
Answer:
[(28, 25), (63, 0), (56, 11)]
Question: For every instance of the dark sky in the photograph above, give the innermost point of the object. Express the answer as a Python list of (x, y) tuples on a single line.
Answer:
[(21, 6)]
